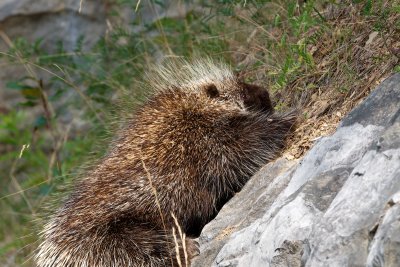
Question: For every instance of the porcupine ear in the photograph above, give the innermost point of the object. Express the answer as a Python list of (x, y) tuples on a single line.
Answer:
[(211, 91)]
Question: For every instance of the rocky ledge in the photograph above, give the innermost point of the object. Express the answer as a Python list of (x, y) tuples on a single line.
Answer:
[(338, 206)]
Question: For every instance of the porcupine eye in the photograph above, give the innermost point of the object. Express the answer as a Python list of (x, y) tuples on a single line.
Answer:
[(212, 91)]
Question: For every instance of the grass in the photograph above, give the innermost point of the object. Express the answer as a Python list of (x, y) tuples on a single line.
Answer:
[(321, 56)]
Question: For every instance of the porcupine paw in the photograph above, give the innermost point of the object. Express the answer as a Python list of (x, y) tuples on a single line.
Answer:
[(187, 252), (192, 248)]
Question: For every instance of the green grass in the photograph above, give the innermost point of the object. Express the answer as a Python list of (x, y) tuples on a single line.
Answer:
[(270, 42)]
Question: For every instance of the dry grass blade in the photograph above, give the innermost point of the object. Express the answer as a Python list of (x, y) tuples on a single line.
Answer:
[(154, 190), (182, 237)]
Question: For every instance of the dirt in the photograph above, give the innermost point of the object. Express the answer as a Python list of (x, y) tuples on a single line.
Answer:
[(347, 68)]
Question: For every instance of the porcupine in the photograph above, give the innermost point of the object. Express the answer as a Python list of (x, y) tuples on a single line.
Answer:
[(186, 151)]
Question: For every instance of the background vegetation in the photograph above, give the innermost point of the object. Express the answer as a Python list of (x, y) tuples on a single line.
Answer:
[(321, 56)]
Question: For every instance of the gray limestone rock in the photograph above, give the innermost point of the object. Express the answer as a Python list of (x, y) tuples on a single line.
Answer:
[(338, 206)]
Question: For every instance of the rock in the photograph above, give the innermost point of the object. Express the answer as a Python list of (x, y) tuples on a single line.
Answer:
[(49, 21), (53, 21), (289, 254), (260, 192), (338, 206)]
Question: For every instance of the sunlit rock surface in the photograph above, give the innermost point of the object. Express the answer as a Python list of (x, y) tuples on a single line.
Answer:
[(338, 206)]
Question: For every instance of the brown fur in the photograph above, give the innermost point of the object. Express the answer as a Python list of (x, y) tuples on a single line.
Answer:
[(188, 150)]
